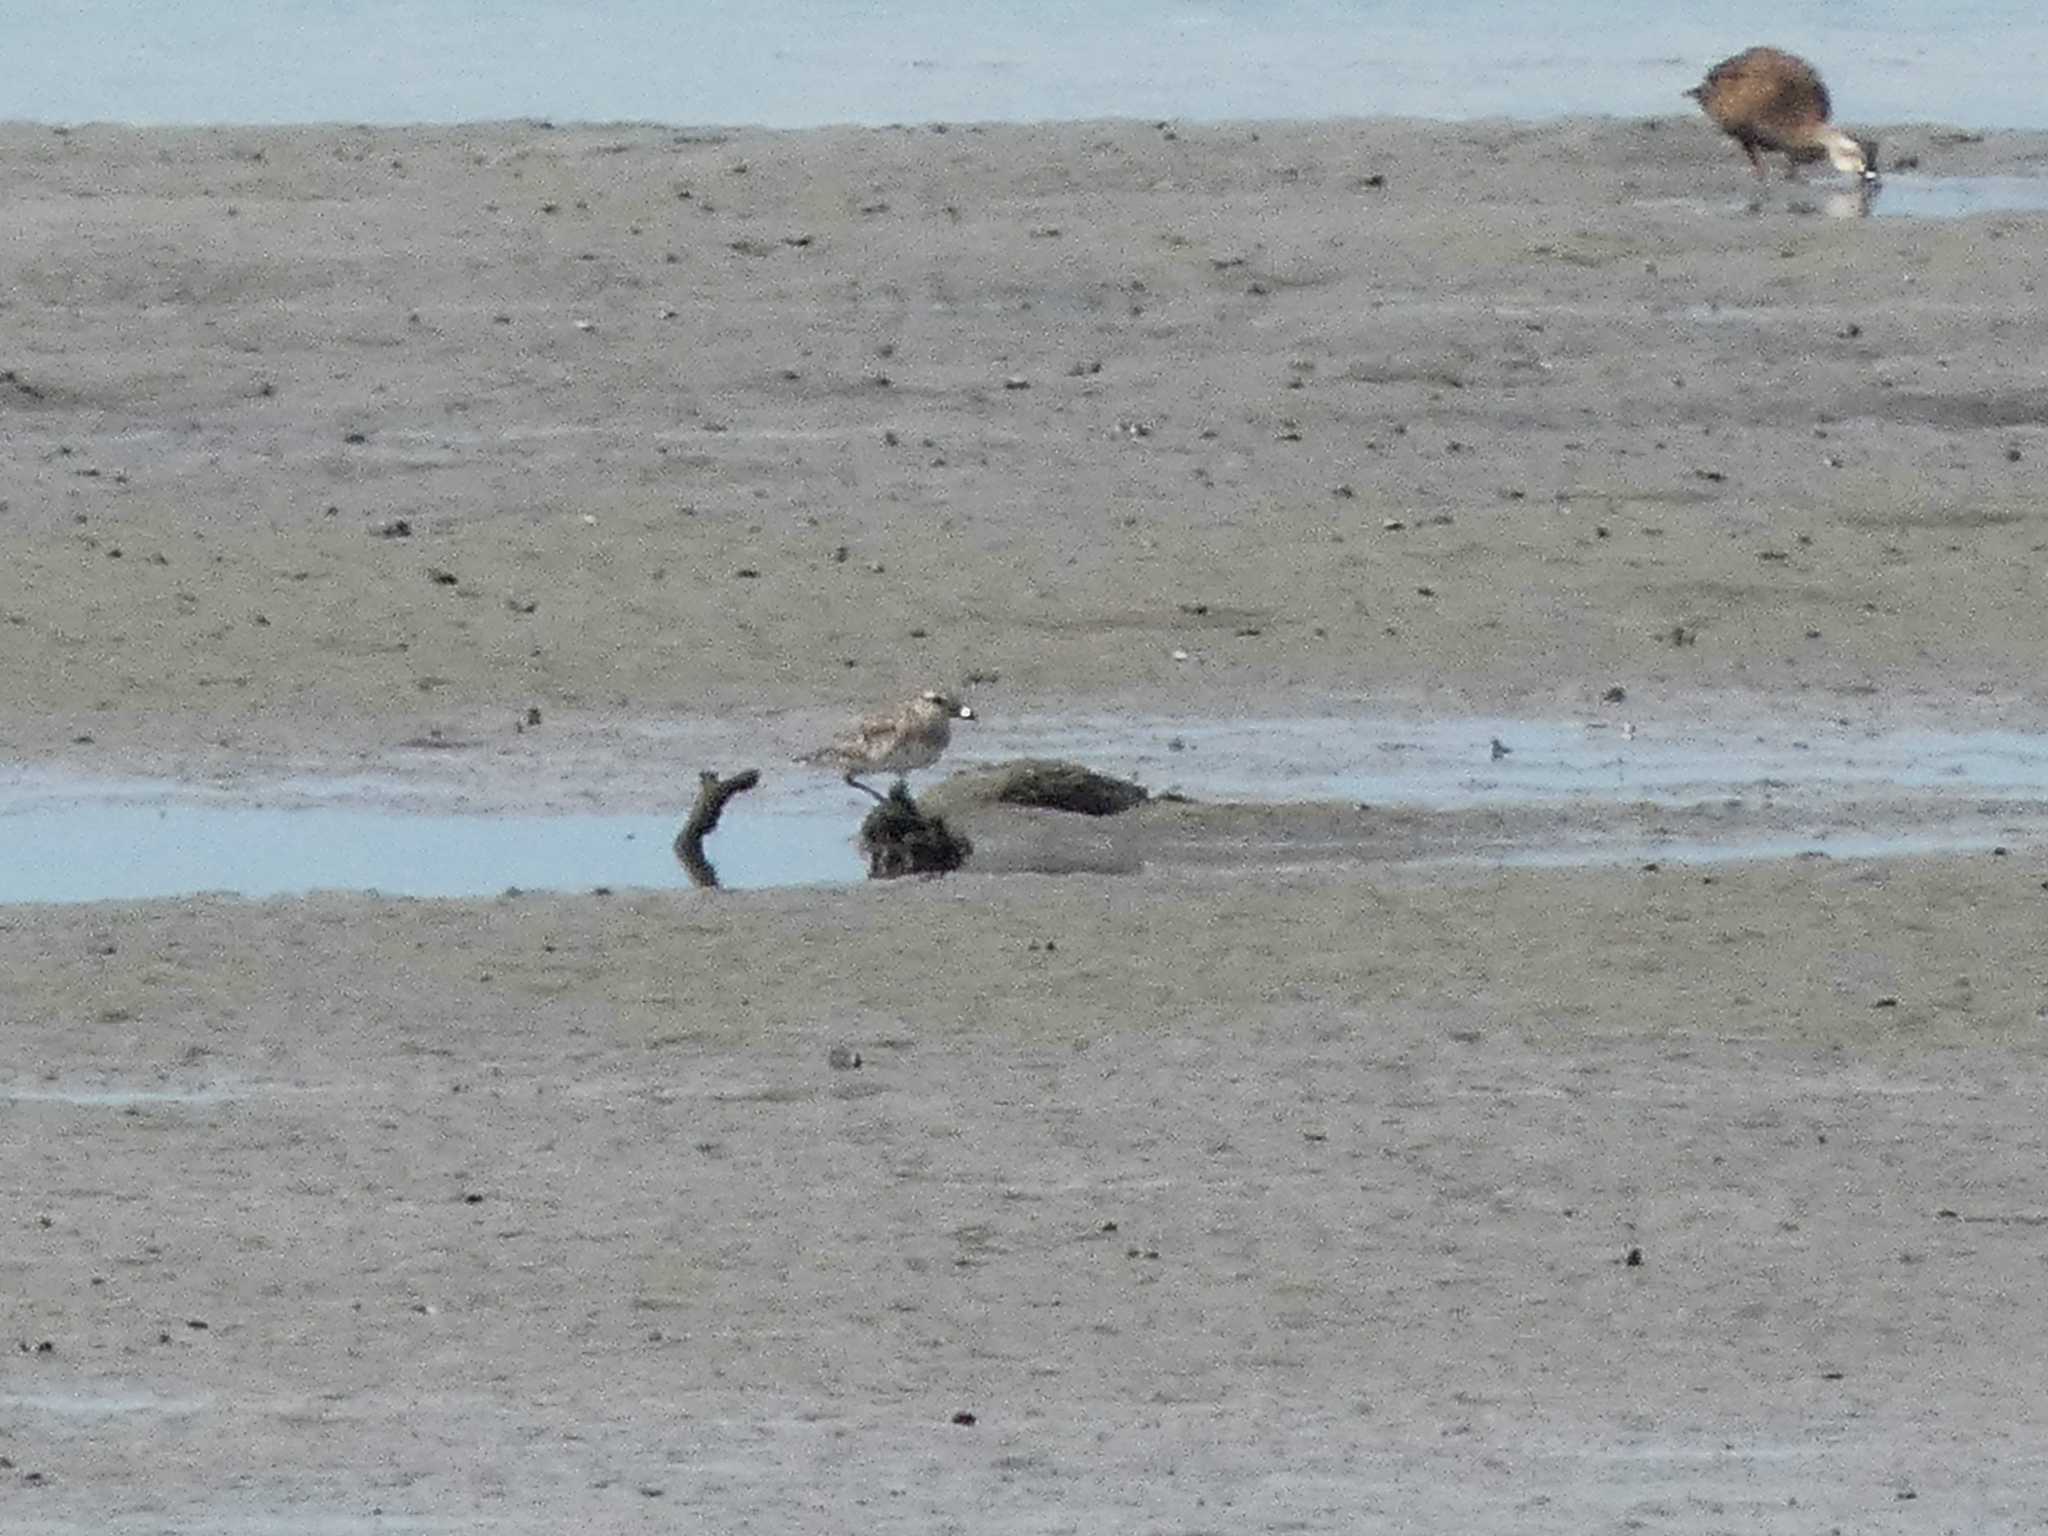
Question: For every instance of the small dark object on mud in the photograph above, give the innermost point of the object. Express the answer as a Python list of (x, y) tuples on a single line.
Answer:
[(1046, 785), (965, 1419), (899, 839), (1634, 1259)]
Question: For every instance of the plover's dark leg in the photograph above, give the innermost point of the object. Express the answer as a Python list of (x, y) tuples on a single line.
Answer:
[(865, 788)]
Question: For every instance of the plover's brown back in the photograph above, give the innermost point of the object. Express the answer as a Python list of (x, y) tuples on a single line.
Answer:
[(902, 741)]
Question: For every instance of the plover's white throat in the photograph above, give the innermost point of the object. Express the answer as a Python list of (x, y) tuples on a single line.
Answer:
[(1765, 99), (899, 742)]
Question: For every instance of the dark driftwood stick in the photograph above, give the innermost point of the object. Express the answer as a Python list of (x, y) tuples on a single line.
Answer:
[(712, 793)]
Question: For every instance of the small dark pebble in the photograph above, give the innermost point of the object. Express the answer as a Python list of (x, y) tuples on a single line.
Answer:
[(1615, 694), (397, 528), (472, 1199), (965, 1419), (533, 714), (746, 573), (1886, 1002), (1634, 1259), (356, 438), (441, 578), (197, 1324)]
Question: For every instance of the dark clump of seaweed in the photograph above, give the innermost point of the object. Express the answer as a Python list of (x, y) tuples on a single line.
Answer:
[(900, 839)]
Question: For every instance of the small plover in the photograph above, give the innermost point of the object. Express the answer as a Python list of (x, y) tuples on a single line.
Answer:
[(899, 742), (1765, 99)]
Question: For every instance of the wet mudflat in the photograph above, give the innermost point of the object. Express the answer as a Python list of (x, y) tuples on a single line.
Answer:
[(597, 1208), (1296, 1158)]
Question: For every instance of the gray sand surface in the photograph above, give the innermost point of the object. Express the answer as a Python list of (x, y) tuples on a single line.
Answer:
[(1232, 1193)]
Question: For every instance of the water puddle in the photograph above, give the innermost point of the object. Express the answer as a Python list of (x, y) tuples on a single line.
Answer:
[(1474, 761), (1654, 851), (66, 840), (97, 1405), (1905, 196), (93, 850), (1958, 197), (114, 1097)]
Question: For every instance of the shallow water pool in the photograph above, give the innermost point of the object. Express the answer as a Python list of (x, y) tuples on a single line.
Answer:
[(73, 840)]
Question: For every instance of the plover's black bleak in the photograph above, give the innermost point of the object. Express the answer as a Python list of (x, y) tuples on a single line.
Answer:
[(899, 742), (1765, 99)]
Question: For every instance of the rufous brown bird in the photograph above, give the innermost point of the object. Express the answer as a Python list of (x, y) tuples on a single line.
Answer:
[(1766, 99)]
